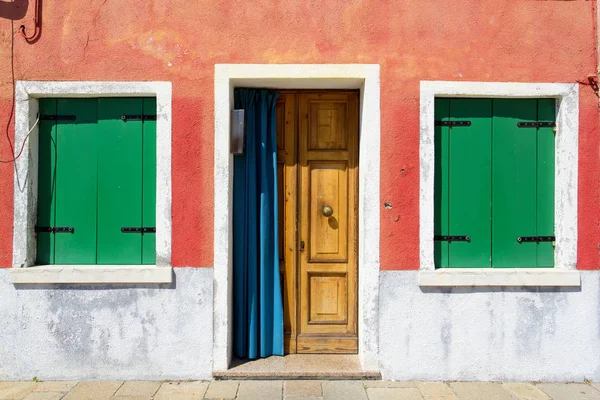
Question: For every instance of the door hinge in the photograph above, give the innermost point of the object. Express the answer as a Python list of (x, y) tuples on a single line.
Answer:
[(138, 230), (547, 124), (536, 239), (452, 123), (126, 118), (55, 229), (453, 238), (58, 117)]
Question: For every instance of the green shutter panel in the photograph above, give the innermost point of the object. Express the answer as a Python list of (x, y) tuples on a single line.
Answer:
[(440, 191), (149, 182), (119, 181), (469, 183), (46, 182), (75, 185), (545, 182), (514, 177)]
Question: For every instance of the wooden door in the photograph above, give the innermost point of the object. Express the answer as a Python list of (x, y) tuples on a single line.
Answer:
[(317, 156), (327, 259), (286, 117)]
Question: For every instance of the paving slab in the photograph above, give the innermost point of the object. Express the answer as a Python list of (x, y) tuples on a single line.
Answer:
[(439, 390), (394, 394), (389, 384), (55, 386), (302, 388), (45, 396), (138, 388), (480, 390), (524, 391), (181, 390), (260, 390), (221, 390), (94, 390), (347, 390), (569, 391), (16, 390), (302, 398)]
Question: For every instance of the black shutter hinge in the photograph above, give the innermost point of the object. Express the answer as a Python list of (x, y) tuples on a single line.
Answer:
[(138, 230), (536, 239), (452, 238), (536, 124), (452, 123), (126, 118), (55, 229), (58, 117)]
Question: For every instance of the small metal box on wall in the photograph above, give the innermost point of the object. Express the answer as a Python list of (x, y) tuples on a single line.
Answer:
[(236, 142)]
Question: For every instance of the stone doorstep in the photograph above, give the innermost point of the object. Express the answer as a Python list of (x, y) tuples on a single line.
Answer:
[(297, 375)]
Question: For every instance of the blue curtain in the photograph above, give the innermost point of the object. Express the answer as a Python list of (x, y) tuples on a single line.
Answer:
[(258, 310)]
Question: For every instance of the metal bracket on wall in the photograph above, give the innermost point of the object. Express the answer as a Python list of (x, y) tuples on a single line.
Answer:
[(56, 229), (536, 124), (126, 118), (453, 238), (138, 230), (58, 117), (536, 239), (452, 123)]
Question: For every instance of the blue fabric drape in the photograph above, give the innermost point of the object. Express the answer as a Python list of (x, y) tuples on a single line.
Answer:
[(258, 309)]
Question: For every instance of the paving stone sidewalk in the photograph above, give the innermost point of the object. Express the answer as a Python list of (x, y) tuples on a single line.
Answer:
[(296, 390)]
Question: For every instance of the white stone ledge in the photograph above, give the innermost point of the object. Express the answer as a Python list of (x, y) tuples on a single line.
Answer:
[(92, 274), (447, 277)]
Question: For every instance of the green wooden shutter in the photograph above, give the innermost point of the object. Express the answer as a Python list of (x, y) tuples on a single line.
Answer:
[(462, 183), (523, 184), (545, 182), (46, 183), (470, 186), (119, 181), (149, 183), (75, 185), (441, 190), (494, 182)]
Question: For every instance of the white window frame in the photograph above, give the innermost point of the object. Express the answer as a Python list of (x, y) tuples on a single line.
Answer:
[(565, 271), (28, 94)]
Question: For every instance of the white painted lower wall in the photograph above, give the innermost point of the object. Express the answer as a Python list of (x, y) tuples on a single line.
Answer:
[(164, 331), (514, 334), (146, 331)]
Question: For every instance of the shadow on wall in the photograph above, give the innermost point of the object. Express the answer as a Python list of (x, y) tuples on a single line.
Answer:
[(493, 289), (13, 9), (98, 286), (17, 9)]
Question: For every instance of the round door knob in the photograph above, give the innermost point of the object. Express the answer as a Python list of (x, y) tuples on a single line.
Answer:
[(327, 211)]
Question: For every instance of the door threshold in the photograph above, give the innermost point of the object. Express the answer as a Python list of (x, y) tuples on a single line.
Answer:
[(299, 366)]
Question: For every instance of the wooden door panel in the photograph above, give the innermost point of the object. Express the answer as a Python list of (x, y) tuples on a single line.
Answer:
[(327, 299), (327, 267), (328, 123), (328, 188)]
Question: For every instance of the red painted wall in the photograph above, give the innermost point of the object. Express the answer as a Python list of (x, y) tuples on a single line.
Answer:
[(413, 40)]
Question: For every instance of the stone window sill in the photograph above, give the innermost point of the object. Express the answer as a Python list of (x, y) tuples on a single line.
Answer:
[(92, 274), (499, 277)]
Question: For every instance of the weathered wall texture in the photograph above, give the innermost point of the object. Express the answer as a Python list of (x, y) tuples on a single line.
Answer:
[(180, 41), (99, 332), (514, 334)]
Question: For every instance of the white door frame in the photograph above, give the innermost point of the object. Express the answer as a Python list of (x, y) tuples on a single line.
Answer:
[(364, 77)]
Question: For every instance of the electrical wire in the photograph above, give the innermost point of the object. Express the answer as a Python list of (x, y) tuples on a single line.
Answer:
[(23, 145)]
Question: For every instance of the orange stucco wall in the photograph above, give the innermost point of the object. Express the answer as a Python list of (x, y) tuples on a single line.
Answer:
[(413, 40)]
